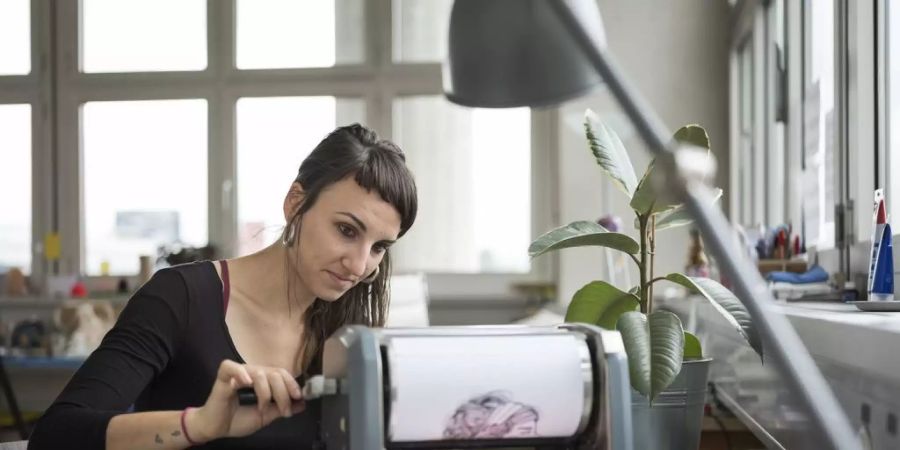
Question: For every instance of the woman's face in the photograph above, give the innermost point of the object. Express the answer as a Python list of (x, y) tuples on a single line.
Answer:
[(342, 238)]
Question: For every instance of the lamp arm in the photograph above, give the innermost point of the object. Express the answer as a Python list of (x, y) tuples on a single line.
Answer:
[(788, 352)]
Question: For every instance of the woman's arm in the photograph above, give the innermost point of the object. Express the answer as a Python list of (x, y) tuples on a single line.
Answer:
[(278, 395), (145, 338), (90, 411), (150, 430)]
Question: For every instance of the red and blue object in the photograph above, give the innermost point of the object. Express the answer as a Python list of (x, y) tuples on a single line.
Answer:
[(881, 269)]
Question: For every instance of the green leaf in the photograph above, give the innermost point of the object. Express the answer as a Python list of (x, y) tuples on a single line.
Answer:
[(645, 199), (725, 302), (655, 348), (610, 153), (679, 216), (694, 135), (581, 234), (600, 303), (692, 349)]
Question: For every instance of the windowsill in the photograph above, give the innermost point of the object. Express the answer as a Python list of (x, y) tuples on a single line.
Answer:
[(855, 351)]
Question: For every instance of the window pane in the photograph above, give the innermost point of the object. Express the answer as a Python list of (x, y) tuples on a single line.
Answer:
[(143, 35), (893, 61), (145, 180), (15, 181), (299, 33), (15, 37), (819, 140), (274, 135), (420, 30), (473, 171)]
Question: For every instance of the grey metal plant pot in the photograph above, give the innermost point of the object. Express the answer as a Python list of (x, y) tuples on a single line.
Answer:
[(674, 420)]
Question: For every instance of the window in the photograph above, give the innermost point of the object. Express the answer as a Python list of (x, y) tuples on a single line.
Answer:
[(144, 180), (295, 34), (15, 182), (15, 37), (819, 122), (892, 10), (190, 132), (143, 35), (473, 173), (274, 134), (420, 30)]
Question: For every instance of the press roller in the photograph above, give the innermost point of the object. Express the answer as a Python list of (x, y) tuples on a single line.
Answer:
[(562, 387)]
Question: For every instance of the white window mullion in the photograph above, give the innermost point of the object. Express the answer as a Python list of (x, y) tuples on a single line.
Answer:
[(733, 190), (41, 130), (222, 195), (775, 159), (761, 186), (67, 143), (381, 98), (861, 117), (795, 86), (265, 87), (545, 175)]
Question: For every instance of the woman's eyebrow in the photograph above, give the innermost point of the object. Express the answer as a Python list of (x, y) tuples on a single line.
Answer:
[(359, 223)]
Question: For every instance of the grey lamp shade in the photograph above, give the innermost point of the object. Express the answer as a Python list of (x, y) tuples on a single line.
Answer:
[(509, 53)]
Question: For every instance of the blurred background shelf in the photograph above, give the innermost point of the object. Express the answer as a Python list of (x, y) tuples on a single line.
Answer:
[(13, 363)]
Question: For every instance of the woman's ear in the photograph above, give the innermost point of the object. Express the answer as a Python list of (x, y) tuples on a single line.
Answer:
[(292, 200)]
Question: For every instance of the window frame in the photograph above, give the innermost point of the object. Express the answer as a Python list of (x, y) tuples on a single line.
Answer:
[(750, 35), (755, 27), (377, 81), (34, 89)]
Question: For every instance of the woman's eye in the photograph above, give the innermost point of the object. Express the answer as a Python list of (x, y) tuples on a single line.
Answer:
[(346, 230), (378, 249)]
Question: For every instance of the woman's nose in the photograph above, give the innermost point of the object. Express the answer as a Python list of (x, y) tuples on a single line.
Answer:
[(355, 262)]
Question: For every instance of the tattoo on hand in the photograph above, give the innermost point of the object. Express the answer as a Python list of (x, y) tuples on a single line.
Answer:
[(158, 439), (176, 433)]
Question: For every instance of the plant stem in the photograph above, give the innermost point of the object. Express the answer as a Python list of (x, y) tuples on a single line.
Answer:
[(634, 258), (652, 236), (642, 267)]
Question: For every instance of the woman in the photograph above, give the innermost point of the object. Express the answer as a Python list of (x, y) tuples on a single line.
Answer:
[(196, 333)]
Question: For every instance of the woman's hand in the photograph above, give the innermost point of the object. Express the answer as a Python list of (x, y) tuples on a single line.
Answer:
[(221, 416)]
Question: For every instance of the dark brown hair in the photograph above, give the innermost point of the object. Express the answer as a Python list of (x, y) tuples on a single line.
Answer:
[(377, 165)]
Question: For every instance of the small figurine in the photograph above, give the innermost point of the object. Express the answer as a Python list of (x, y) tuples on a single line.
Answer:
[(16, 285), (697, 265)]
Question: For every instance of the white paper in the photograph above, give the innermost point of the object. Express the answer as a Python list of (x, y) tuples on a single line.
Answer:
[(485, 387)]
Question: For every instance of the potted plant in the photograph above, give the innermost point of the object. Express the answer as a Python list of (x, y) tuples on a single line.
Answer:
[(666, 364)]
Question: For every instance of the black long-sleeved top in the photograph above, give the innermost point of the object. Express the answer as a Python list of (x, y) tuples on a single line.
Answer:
[(162, 354)]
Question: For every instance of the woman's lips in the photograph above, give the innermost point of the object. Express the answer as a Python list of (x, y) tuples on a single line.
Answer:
[(338, 279)]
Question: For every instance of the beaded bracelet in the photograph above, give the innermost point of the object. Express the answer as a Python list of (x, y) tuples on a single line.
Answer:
[(184, 428)]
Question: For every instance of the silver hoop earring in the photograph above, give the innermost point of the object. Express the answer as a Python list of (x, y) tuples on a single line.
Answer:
[(287, 239), (371, 278)]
